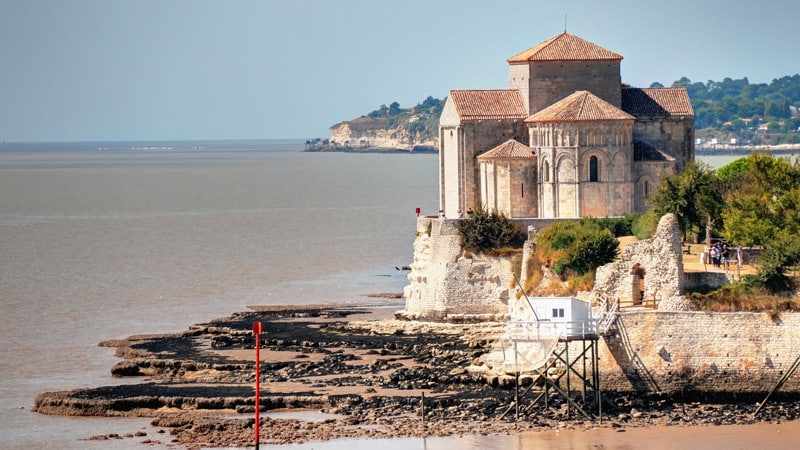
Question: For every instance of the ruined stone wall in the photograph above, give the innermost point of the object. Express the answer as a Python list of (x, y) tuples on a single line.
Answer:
[(447, 284), (668, 352), (661, 259)]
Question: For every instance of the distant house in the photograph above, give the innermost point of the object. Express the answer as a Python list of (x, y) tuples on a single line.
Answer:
[(566, 139)]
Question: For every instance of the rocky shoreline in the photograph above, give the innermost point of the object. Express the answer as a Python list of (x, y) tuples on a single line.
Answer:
[(370, 376)]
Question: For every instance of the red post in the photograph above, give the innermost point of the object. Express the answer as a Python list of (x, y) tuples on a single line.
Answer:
[(257, 328), (417, 212)]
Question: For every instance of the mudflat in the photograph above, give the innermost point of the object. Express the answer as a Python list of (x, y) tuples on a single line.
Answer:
[(369, 375)]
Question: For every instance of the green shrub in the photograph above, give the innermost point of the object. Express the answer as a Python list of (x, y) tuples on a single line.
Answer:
[(776, 261), (644, 226), (489, 231), (577, 247), (619, 226)]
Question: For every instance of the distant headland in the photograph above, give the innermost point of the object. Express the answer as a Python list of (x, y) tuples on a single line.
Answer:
[(731, 117)]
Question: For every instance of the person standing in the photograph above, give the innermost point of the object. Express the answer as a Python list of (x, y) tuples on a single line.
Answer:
[(714, 255), (724, 256)]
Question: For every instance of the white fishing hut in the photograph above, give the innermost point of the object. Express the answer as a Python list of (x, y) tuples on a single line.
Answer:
[(565, 318)]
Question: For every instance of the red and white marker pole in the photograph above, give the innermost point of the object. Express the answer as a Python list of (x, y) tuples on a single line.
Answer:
[(257, 329)]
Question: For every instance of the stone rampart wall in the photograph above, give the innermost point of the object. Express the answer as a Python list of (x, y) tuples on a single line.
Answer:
[(446, 283), (694, 280), (669, 352)]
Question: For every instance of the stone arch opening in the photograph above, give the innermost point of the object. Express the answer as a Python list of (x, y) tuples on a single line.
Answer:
[(594, 169), (546, 172), (637, 283)]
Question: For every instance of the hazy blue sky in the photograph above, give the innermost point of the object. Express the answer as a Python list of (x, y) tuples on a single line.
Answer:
[(164, 69)]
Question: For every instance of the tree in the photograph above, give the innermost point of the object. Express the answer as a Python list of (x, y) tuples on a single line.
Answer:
[(693, 196), (763, 198), (776, 260)]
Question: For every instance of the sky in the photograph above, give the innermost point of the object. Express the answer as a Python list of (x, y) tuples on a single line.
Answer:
[(149, 70)]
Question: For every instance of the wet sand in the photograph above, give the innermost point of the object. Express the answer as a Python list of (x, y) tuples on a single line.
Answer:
[(772, 436)]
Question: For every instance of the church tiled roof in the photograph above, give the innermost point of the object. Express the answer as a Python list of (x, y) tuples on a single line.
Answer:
[(565, 47), (657, 102), (508, 150), (580, 106), (488, 104)]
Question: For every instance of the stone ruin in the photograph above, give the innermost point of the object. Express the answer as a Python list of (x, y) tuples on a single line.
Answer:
[(650, 270)]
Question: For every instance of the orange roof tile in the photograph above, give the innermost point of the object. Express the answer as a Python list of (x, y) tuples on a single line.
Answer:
[(657, 102), (580, 106), (565, 47), (488, 104), (507, 150)]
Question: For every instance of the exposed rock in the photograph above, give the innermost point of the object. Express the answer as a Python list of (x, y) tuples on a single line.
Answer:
[(445, 281)]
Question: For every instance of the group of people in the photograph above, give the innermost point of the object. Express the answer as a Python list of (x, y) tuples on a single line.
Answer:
[(720, 254)]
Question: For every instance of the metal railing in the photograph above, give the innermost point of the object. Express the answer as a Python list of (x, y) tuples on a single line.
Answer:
[(548, 329), (608, 313)]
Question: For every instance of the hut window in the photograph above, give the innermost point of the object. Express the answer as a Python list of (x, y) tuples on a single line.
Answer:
[(558, 312), (594, 171)]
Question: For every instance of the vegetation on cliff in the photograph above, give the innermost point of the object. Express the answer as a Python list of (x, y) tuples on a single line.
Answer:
[(489, 232), (420, 123)]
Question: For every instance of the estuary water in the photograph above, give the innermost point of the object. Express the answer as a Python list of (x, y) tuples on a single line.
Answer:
[(104, 240), (101, 241)]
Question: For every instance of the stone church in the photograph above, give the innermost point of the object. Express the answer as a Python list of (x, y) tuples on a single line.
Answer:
[(567, 138)]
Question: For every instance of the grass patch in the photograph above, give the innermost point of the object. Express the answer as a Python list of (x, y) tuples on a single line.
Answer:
[(741, 297)]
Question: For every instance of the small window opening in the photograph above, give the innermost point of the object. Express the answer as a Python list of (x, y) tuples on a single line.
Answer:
[(594, 171)]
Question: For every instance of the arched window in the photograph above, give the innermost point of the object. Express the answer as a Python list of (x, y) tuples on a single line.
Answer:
[(646, 188), (594, 170)]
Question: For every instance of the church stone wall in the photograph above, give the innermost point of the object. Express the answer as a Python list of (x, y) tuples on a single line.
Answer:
[(450, 170), (649, 176), (676, 137), (480, 137), (544, 83), (523, 189), (509, 186)]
